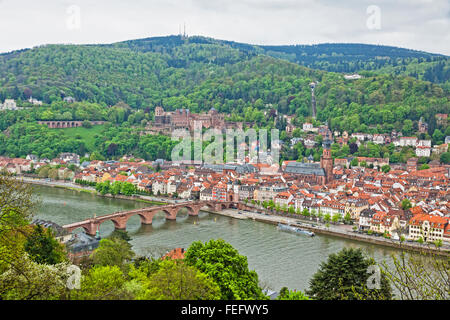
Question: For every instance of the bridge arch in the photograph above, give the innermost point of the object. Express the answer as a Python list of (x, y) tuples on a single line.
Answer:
[(80, 228), (191, 210), (106, 225), (208, 205)]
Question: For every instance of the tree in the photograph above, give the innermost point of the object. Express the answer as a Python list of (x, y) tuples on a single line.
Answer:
[(176, 280), (305, 212), (386, 168), (43, 248), (423, 276), (128, 189), (223, 263), (438, 136), (112, 149), (43, 172), (335, 218), (120, 234), (87, 124), (116, 188), (113, 252), (406, 204), (344, 276), (17, 203), (286, 294), (101, 283), (53, 174), (26, 279), (445, 157), (407, 127), (104, 187), (347, 217)]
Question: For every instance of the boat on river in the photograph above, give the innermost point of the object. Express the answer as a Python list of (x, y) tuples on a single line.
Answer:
[(286, 227)]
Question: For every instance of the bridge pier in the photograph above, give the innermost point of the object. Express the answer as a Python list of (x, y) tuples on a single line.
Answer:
[(194, 211), (147, 217), (120, 223), (91, 228), (171, 214)]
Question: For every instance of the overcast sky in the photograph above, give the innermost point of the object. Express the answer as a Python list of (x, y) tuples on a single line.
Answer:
[(415, 24)]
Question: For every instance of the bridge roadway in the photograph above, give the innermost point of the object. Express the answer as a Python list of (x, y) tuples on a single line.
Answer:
[(146, 214)]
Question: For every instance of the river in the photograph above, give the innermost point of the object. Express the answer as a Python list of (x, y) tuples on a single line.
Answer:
[(279, 258)]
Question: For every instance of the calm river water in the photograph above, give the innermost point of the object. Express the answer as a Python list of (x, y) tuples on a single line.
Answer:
[(279, 258)]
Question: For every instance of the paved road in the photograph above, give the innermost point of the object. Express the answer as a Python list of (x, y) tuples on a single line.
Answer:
[(53, 183), (343, 229), (340, 228)]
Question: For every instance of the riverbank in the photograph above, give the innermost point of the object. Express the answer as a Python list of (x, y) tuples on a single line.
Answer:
[(348, 234), (74, 187), (259, 217)]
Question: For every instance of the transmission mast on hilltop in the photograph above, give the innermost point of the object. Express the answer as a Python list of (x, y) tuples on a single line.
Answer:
[(183, 35), (312, 85)]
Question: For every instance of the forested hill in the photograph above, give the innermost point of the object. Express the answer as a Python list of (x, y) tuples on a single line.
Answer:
[(197, 73), (333, 57)]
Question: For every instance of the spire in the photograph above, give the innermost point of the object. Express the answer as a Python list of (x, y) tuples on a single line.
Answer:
[(326, 143)]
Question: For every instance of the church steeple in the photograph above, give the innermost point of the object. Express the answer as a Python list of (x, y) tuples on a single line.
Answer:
[(326, 161)]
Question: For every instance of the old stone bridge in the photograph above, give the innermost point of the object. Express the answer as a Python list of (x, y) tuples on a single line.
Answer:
[(146, 214)]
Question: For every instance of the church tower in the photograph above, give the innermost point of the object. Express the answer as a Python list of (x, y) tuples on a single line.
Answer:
[(326, 161)]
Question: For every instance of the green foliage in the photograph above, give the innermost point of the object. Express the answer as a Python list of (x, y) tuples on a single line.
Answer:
[(113, 252), (418, 276), (29, 138), (102, 283), (226, 267), (135, 76), (17, 203), (117, 187), (347, 217), (175, 280), (29, 280), (120, 234), (286, 294), (335, 218), (445, 158), (43, 248), (406, 204), (344, 277)]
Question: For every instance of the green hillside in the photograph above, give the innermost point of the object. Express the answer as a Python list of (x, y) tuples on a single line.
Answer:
[(122, 83)]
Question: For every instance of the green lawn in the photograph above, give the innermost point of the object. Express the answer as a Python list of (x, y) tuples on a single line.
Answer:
[(86, 134)]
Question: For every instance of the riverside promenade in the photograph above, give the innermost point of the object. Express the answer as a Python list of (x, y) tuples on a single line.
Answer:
[(345, 231)]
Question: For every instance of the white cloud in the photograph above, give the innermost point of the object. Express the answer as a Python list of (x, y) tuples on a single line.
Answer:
[(416, 24)]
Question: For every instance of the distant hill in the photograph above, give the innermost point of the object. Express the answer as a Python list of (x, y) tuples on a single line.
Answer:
[(123, 82), (333, 57), (200, 73)]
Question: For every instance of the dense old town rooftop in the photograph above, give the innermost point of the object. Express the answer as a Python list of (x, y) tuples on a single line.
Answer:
[(293, 184)]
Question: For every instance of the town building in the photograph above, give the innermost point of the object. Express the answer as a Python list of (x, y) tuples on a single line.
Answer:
[(429, 228), (9, 104)]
